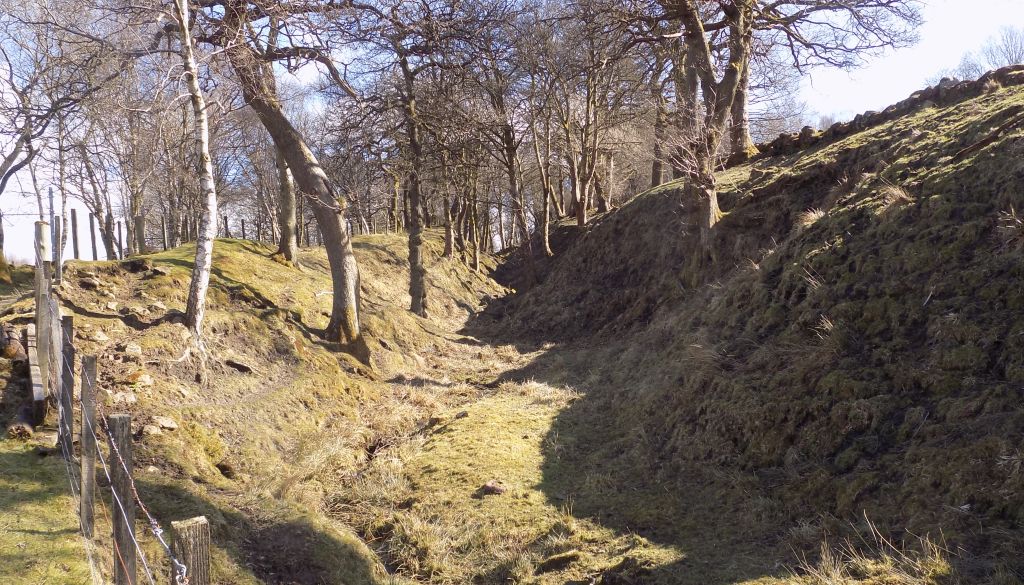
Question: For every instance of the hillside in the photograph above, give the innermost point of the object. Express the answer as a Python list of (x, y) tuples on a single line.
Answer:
[(847, 372), (853, 354)]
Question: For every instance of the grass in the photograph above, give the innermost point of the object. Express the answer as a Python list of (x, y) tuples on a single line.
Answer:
[(830, 378), (39, 537), (647, 422), (306, 413), (423, 506)]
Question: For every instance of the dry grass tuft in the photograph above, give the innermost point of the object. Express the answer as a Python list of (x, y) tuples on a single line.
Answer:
[(809, 217), (893, 197), (991, 86), (1010, 230), (881, 563)]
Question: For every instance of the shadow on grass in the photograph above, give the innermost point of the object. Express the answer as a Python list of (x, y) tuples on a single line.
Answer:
[(727, 530), (275, 544)]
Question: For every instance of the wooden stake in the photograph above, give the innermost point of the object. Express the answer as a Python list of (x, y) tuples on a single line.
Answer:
[(122, 502), (92, 236), (191, 546), (58, 252), (120, 242), (88, 445), (74, 234), (163, 231), (227, 230), (243, 229), (39, 403), (67, 385)]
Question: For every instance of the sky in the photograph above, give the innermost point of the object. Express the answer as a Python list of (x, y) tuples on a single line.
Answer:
[(951, 28)]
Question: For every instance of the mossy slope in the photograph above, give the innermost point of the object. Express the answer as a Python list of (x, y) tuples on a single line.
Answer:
[(275, 413), (854, 349)]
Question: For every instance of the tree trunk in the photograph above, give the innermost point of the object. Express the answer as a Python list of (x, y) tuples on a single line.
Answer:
[(196, 305), (417, 213), (259, 91), (5, 268), (451, 213), (285, 210), (743, 147)]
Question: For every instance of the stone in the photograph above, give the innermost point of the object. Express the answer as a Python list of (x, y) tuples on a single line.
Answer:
[(226, 469), (100, 337), (140, 378), (133, 349), (89, 283), (492, 488), (137, 311), (111, 306), (157, 306), (158, 271), (557, 562), (124, 399), (165, 422), (152, 469), (150, 430)]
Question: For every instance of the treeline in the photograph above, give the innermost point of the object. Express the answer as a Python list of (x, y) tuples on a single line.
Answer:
[(491, 118)]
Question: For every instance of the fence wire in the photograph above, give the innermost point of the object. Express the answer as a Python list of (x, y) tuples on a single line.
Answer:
[(50, 311)]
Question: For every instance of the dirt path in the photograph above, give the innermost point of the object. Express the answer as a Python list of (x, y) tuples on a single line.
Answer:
[(505, 483)]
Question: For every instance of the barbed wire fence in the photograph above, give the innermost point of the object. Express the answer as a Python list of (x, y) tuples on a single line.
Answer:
[(52, 361)]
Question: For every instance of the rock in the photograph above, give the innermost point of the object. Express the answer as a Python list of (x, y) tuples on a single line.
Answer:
[(158, 271), (492, 488), (462, 414), (86, 273), (133, 349), (124, 399), (100, 337), (152, 469), (10, 345), (150, 430), (136, 311), (89, 283), (138, 265), (184, 392), (158, 307), (140, 378), (226, 469), (165, 422), (239, 365), (557, 562), (111, 306)]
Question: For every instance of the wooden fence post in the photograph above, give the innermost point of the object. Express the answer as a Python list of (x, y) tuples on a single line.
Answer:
[(55, 356), (39, 403), (122, 502), (243, 229), (120, 242), (74, 234), (227, 229), (163, 231), (92, 235), (140, 234), (58, 251), (190, 544), (67, 385), (88, 445)]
